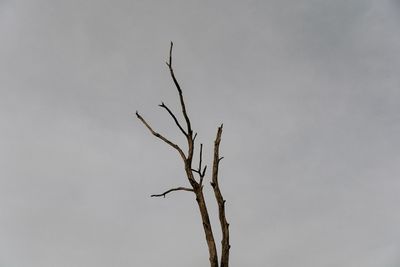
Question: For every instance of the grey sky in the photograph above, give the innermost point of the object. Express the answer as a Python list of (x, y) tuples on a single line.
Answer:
[(308, 91)]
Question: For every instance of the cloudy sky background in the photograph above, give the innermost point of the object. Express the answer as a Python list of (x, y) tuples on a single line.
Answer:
[(308, 91)]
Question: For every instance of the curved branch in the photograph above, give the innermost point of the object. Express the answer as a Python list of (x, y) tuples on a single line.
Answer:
[(172, 190)]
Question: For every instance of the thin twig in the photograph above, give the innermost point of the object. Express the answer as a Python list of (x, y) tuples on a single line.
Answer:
[(204, 171), (200, 170), (202, 175), (174, 117), (201, 157), (173, 189)]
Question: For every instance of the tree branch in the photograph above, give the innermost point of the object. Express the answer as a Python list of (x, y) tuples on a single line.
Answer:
[(174, 117), (171, 190), (221, 202), (161, 137), (202, 175), (200, 170), (200, 157), (178, 87)]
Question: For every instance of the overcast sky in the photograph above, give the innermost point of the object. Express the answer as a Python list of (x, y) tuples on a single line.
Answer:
[(308, 91)]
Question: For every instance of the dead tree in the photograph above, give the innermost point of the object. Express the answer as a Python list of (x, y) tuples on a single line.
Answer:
[(196, 175)]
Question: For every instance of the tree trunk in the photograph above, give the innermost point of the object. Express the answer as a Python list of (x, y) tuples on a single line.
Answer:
[(212, 250)]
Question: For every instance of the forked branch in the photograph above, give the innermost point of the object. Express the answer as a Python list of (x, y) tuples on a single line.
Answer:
[(200, 170)]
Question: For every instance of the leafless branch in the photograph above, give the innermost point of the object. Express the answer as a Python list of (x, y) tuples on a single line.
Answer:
[(204, 171), (221, 202), (160, 136), (174, 117), (200, 170), (173, 189), (202, 175), (178, 87), (200, 157)]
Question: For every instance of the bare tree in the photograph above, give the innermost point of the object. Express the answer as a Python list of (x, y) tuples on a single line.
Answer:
[(195, 176)]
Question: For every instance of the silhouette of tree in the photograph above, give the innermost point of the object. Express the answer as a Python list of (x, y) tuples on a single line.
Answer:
[(196, 175)]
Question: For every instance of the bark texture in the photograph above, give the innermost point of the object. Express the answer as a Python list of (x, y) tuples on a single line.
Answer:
[(225, 246), (196, 185)]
